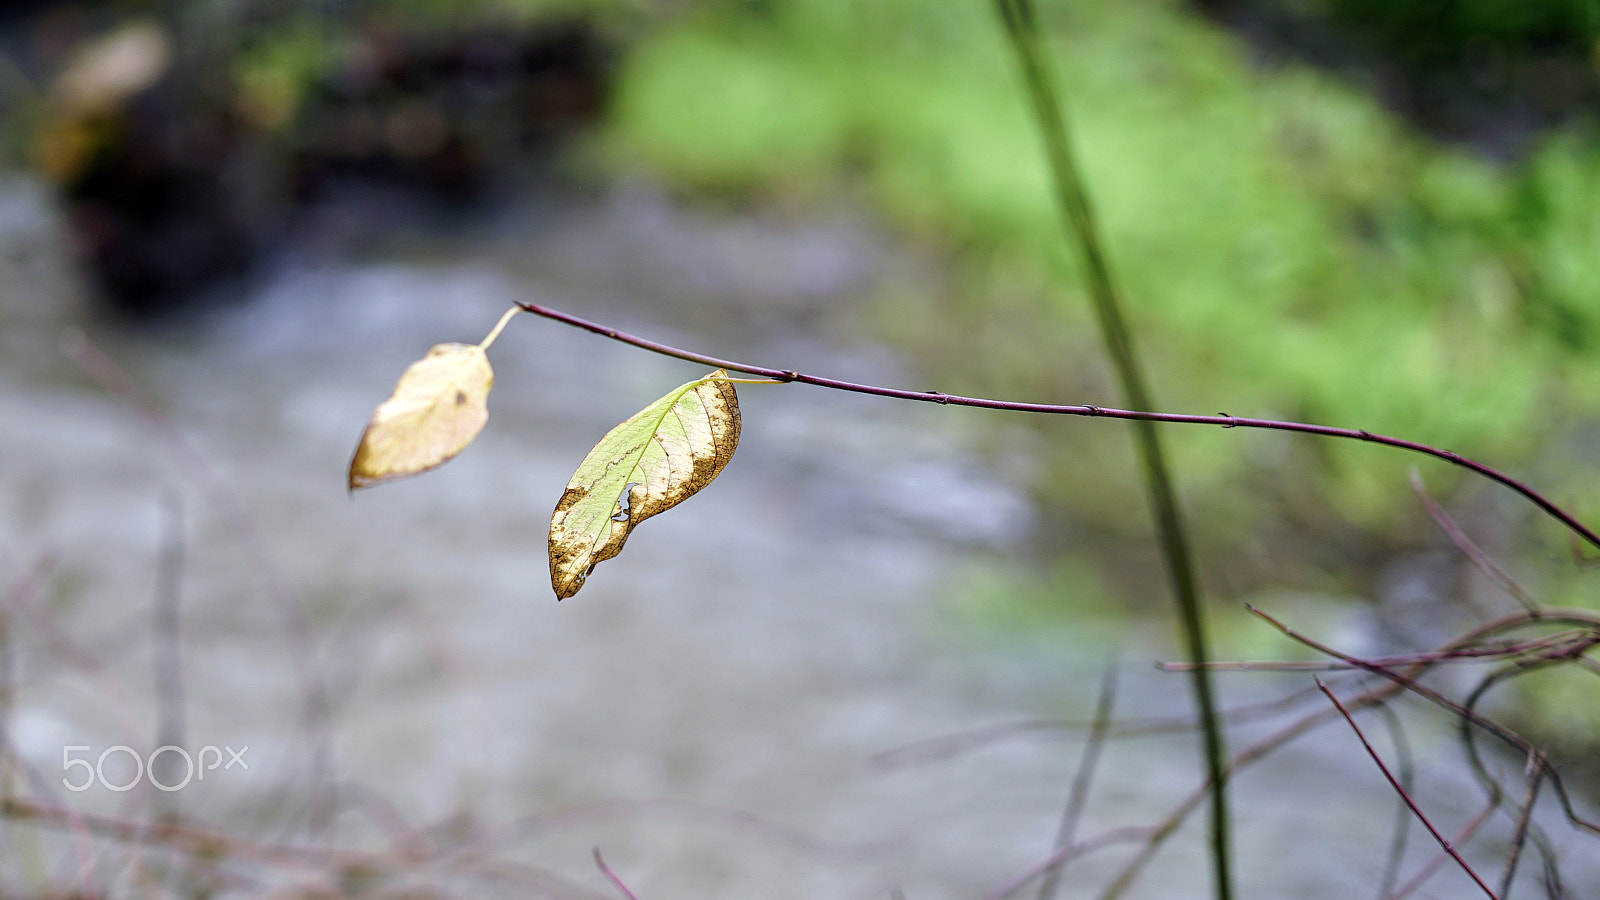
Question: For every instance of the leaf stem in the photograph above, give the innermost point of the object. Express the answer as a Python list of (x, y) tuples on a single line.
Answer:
[(1105, 412), (498, 327), (749, 380)]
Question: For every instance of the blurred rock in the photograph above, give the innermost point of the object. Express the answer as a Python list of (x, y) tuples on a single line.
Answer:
[(179, 176), (1485, 73)]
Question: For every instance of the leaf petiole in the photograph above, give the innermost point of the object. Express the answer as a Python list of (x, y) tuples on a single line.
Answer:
[(499, 327), (744, 380)]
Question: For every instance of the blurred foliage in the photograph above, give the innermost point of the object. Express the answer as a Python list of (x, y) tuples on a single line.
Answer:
[(1287, 247), (294, 51), (1454, 23)]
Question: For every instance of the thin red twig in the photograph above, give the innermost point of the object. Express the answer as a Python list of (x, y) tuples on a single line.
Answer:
[(612, 876), (1470, 548), (1067, 853), (1406, 797), (1434, 863), (1519, 837), (1083, 779), (1222, 420), (316, 711), (1560, 645)]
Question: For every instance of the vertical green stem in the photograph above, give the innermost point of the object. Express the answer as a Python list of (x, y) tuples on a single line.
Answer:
[(1073, 200)]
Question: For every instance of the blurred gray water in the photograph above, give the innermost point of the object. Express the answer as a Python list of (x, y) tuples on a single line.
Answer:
[(710, 711)]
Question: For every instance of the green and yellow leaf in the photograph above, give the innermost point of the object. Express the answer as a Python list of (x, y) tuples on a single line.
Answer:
[(439, 405), (647, 465)]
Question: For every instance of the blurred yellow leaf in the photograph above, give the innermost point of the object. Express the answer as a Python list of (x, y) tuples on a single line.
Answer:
[(439, 405), (647, 465), (105, 72)]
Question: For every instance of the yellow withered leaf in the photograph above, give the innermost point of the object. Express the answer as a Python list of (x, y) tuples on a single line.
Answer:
[(439, 405), (647, 465)]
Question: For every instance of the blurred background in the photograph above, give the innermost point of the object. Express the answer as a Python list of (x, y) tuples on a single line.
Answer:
[(228, 226)]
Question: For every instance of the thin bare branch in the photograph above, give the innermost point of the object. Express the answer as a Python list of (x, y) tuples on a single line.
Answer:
[(948, 746), (1402, 750), (1066, 854), (1400, 789), (315, 708), (1083, 779), (1560, 645), (612, 876), (1428, 869), (1579, 530), (166, 656), (1464, 712), (1519, 837), (1468, 547)]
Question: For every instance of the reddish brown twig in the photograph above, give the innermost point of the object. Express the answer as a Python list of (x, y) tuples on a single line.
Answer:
[(1404, 796), (315, 709), (612, 876), (1106, 412), (1468, 547), (1428, 869), (1083, 779)]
